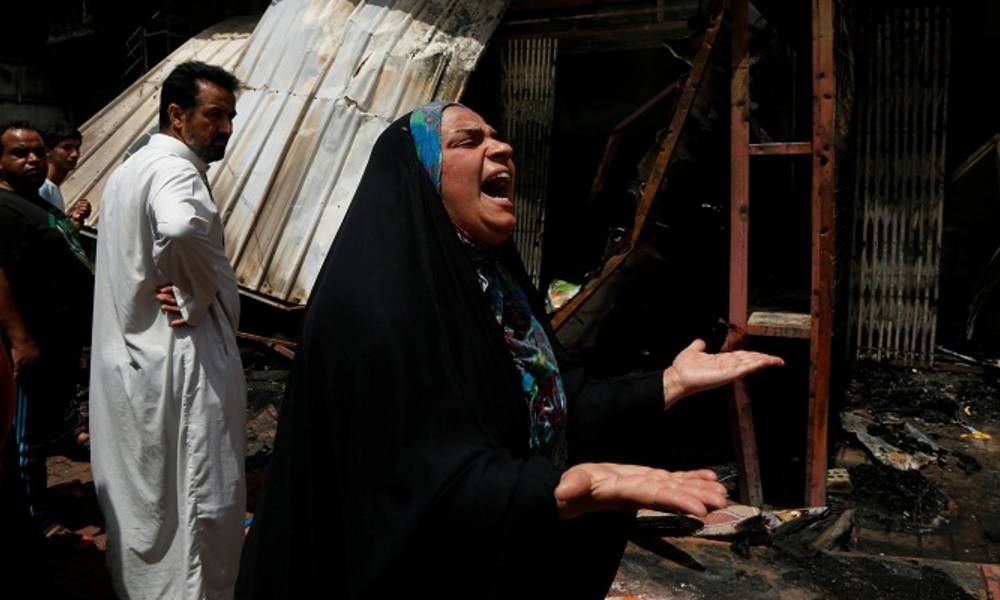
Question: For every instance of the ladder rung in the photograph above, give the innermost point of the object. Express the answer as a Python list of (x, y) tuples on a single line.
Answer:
[(778, 148), (779, 324)]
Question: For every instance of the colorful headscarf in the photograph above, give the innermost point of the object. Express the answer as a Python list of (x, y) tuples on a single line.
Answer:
[(425, 127), (526, 339)]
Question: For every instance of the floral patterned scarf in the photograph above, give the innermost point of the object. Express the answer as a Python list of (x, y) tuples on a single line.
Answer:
[(525, 337)]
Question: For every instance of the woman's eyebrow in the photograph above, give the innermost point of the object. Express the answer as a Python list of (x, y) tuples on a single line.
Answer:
[(480, 130)]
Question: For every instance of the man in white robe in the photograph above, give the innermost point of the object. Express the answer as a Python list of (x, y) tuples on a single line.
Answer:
[(167, 395)]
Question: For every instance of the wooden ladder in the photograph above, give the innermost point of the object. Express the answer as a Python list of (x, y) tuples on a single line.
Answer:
[(817, 325)]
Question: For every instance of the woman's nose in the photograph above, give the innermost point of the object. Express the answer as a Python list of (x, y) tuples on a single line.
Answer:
[(500, 149)]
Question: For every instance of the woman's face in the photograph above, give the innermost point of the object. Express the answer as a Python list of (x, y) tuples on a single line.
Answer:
[(477, 176)]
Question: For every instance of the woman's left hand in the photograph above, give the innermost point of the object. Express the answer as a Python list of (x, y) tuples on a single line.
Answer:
[(590, 487), (694, 370)]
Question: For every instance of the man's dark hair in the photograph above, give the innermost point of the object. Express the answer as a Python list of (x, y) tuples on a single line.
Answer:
[(5, 127), (181, 86), (53, 136)]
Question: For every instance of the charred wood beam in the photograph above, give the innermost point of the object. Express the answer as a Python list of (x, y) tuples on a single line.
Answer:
[(740, 415), (658, 10), (596, 16), (652, 185), (285, 348), (605, 38), (523, 6), (822, 251), (615, 138), (603, 28)]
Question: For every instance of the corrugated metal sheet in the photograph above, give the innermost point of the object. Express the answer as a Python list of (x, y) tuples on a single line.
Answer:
[(529, 92), (321, 80), (125, 124)]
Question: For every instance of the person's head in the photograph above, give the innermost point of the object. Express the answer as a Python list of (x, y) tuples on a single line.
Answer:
[(197, 106), (23, 166), (477, 176), (63, 148)]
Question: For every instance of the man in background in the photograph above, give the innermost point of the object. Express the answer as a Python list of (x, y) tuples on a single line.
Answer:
[(167, 395), (46, 283), (62, 147)]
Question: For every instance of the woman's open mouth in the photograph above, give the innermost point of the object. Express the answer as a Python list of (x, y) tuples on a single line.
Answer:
[(498, 186)]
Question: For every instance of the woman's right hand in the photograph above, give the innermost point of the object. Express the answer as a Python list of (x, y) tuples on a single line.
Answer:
[(591, 487)]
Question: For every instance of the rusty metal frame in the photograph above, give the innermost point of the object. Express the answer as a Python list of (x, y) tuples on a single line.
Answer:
[(652, 185)]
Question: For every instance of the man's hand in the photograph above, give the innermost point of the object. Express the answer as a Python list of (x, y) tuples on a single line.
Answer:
[(23, 353), (168, 304), (693, 370), (79, 212), (590, 487)]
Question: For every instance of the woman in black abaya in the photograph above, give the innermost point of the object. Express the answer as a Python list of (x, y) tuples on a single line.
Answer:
[(434, 439)]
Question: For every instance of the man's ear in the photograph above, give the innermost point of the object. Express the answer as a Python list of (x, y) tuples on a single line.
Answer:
[(176, 114)]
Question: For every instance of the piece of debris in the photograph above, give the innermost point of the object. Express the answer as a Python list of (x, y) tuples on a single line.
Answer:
[(794, 537), (260, 433), (893, 443), (971, 433), (988, 362), (283, 347), (838, 481), (560, 292), (780, 518), (837, 530), (741, 547), (663, 524), (726, 521)]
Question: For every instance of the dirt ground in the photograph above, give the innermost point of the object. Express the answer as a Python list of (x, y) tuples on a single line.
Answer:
[(926, 534)]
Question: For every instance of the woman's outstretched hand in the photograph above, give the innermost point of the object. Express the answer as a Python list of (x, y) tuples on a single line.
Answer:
[(590, 487), (694, 370)]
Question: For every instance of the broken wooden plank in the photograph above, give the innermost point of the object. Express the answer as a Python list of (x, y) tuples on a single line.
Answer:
[(285, 348), (781, 148), (779, 324)]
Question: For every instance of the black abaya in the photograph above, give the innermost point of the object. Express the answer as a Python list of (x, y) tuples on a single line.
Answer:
[(402, 466)]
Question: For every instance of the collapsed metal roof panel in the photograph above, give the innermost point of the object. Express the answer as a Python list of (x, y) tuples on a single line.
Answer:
[(321, 80)]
